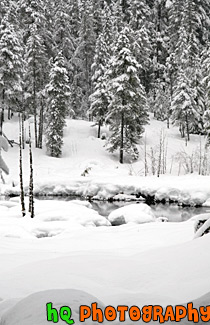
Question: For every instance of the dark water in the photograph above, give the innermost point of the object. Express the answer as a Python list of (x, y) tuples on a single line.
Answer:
[(173, 212)]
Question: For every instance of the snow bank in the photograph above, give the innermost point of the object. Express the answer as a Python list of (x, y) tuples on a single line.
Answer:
[(136, 213), (189, 190), (52, 218), (32, 309)]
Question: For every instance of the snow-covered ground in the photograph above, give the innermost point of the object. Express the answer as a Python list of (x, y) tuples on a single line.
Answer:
[(68, 246)]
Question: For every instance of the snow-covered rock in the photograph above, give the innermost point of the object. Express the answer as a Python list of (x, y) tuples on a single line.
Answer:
[(206, 203), (202, 224), (126, 197), (162, 219), (136, 213)]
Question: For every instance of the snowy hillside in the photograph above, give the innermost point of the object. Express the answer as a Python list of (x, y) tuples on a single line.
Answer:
[(87, 169)]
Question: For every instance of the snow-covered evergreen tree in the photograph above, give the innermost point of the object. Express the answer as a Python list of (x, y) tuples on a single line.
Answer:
[(205, 66), (83, 57), (140, 13), (184, 112), (75, 19), (188, 67), (108, 28), (11, 65), (199, 91), (59, 92), (98, 98), (127, 111), (143, 52), (205, 63), (161, 107), (62, 36)]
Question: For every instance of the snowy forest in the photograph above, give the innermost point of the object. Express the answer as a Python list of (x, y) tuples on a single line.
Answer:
[(104, 159), (107, 61)]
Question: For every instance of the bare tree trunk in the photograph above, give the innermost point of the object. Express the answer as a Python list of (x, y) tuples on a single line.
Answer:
[(99, 129), (160, 156), (1, 123), (23, 135), (31, 185), (152, 161), (9, 113), (168, 121), (21, 173), (41, 125), (182, 130), (2, 113), (187, 128), (122, 138), (200, 157), (34, 105), (145, 157)]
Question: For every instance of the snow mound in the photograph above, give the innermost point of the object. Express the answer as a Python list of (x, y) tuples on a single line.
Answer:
[(52, 218), (73, 213), (7, 204), (32, 309), (136, 213)]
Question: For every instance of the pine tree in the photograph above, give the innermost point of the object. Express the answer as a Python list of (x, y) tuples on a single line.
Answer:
[(97, 16), (199, 98), (175, 18), (183, 105), (160, 38), (62, 37), (170, 78), (188, 66), (161, 105), (11, 65), (205, 66), (127, 108), (59, 92), (98, 98), (108, 28), (193, 15), (35, 75), (206, 120), (140, 13), (75, 19), (83, 57), (158, 31), (143, 52), (118, 18)]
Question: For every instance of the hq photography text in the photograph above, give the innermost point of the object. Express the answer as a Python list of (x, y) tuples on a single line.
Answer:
[(125, 313)]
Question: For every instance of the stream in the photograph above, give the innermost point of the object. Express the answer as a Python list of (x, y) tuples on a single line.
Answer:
[(174, 212)]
